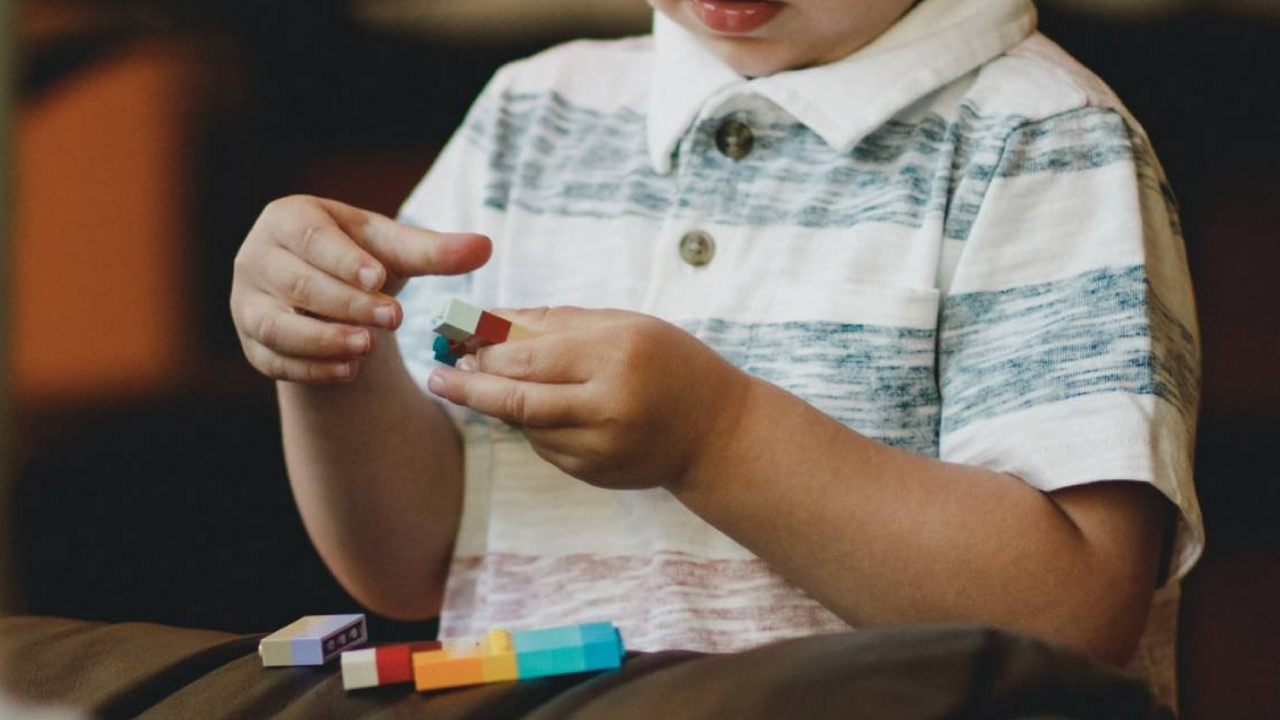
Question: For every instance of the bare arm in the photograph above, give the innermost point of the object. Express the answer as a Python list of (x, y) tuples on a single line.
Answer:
[(881, 535), (375, 465), (376, 468)]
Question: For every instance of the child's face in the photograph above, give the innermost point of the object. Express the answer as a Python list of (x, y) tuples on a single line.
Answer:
[(762, 37)]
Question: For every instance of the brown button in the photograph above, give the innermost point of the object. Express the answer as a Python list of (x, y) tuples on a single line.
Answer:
[(697, 248), (734, 139)]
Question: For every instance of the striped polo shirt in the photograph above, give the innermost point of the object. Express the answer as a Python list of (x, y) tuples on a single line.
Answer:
[(954, 241)]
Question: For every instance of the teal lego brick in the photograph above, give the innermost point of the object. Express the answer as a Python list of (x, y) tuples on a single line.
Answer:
[(602, 646), (553, 651), (443, 352)]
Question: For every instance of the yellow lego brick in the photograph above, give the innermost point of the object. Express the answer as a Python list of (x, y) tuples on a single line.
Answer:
[(519, 332), (500, 658)]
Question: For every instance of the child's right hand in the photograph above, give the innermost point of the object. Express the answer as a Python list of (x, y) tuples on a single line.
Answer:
[(315, 278)]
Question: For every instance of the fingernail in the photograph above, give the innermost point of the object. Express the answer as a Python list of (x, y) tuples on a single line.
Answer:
[(467, 363), (435, 383), (343, 370), (358, 342), (369, 278), (384, 315)]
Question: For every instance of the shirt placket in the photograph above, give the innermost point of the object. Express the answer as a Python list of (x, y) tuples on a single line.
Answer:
[(688, 249)]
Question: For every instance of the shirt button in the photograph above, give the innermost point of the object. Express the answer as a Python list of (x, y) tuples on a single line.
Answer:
[(734, 139), (697, 248)]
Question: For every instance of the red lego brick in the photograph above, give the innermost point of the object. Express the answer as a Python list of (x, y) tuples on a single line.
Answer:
[(395, 662), (492, 328)]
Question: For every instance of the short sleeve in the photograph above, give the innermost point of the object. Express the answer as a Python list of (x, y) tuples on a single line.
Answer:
[(456, 195), (1068, 344)]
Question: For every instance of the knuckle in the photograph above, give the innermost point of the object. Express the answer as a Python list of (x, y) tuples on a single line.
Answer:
[(240, 265), (266, 329), (287, 203), (277, 367), (542, 314), (574, 465), (315, 372), (335, 341), (309, 240), (301, 288), (280, 204), (356, 305), (515, 405)]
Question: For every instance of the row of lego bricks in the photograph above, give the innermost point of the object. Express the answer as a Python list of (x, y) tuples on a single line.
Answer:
[(498, 656)]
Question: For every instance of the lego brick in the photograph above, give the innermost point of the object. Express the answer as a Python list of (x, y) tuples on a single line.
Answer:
[(500, 662), (467, 661), (443, 349), (395, 663), (552, 651), (359, 669), (519, 332), (312, 640), (456, 320), (602, 646), (386, 665), (458, 663), (493, 329)]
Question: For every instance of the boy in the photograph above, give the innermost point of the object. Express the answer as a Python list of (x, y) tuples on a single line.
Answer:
[(902, 333)]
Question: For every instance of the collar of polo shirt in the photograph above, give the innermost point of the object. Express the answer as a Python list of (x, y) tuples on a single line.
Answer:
[(936, 42)]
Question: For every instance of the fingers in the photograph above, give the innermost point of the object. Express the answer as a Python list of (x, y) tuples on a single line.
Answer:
[(302, 227), (298, 285), (566, 357), (312, 271), (411, 251), (304, 370), (529, 404), (283, 331)]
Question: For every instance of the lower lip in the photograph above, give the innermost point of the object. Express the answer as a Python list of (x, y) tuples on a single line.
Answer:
[(735, 17)]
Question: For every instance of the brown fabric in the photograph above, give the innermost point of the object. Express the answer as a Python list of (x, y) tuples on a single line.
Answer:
[(924, 673)]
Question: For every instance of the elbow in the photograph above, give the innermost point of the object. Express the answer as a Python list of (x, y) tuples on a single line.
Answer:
[(401, 607), (402, 596), (1106, 625), (1113, 648)]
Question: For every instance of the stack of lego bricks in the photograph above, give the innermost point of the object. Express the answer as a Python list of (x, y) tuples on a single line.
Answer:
[(464, 329)]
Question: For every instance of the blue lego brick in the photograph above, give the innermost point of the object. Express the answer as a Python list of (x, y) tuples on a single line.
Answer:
[(306, 651)]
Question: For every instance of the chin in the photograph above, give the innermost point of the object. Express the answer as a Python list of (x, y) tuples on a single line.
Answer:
[(757, 61)]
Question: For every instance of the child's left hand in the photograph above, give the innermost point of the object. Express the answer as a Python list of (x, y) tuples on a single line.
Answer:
[(617, 399)]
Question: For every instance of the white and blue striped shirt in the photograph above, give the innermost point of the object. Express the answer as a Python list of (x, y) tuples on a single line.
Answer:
[(955, 241)]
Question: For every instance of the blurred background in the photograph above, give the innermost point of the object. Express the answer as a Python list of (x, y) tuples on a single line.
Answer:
[(140, 471)]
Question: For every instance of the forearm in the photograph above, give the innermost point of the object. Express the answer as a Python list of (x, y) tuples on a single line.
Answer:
[(880, 535), (376, 468)]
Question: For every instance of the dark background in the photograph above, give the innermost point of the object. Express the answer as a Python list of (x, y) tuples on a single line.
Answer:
[(158, 493)]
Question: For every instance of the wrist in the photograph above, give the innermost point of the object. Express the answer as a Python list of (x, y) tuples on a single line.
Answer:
[(720, 444)]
